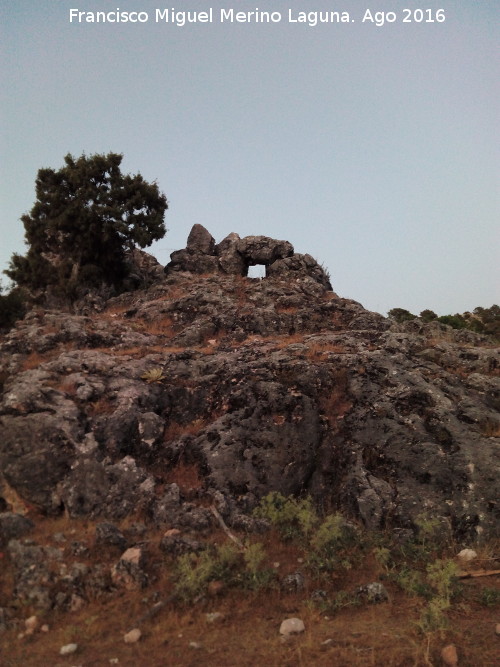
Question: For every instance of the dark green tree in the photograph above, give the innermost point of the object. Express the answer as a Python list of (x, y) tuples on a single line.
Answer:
[(428, 315), (11, 307), (401, 314), (86, 216)]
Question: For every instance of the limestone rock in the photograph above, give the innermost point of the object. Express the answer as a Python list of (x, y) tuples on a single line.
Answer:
[(200, 241), (374, 592), (292, 626), (13, 526), (133, 636), (449, 656), (263, 250)]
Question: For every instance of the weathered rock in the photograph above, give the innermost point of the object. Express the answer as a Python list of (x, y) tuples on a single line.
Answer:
[(467, 555), (13, 526), (200, 241), (263, 250), (299, 266), (68, 649), (293, 583), (292, 626), (108, 534), (129, 572), (449, 655), (230, 259), (374, 592), (133, 636), (385, 421), (176, 545)]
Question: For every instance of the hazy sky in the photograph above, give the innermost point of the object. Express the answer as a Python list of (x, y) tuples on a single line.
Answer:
[(373, 148)]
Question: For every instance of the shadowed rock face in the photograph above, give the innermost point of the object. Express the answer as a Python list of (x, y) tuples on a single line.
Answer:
[(218, 388), (233, 255)]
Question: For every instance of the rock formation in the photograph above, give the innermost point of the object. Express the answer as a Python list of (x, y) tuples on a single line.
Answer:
[(209, 387), (233, 256)]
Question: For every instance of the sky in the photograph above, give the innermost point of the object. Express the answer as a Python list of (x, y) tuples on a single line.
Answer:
[(374, 148)]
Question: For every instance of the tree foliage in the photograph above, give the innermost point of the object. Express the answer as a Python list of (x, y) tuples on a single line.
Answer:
[(86, 216), (481, 320), (12, 307), (401, 315)]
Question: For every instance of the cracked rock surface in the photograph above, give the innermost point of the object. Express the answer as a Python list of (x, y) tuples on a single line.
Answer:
[(212, 388)]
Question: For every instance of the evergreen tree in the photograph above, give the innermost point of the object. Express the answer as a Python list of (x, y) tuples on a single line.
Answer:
[(86, 215), (401, 314)]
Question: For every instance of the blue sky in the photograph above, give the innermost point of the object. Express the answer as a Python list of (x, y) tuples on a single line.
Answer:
[(375, 149)]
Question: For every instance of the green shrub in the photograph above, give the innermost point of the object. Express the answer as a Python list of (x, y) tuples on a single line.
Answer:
[(193, 572), (442, 576), (489, 597), (294, 518)]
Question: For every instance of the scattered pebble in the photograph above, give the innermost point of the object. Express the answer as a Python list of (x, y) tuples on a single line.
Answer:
[(31, 624), (68, 649), (215, 588), (44, 628), (374, 592), (133, 636), (467, 555), (449, 655), (292, 626), (195, 645), (497, 629), (214, 617)]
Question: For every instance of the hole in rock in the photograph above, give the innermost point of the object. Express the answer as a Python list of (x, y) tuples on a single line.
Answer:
[(257, 271)]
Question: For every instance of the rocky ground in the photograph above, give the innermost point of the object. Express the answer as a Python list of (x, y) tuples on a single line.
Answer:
[(209, 390)]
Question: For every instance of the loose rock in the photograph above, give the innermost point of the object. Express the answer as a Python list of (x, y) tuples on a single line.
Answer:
[(449, 655), (292, 626), (68, 649), (133, 636)]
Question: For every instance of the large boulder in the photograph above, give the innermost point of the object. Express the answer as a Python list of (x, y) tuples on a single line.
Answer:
[(299, 266), (263, 250)]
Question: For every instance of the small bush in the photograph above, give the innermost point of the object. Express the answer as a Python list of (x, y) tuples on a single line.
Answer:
[(153, 375), (194, 572), (294, 518), (442, 576), (489, 597)]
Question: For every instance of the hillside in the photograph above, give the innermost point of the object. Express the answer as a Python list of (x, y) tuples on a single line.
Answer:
[(181, 404)]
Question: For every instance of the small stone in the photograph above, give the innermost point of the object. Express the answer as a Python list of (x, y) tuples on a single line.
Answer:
[(76, 602), (467, 555), (293, 582), (113, 661), (133, 636), (171, 532), (215, 588), (214, 617), (195, 645), (449, 655), (31, 624), (292, 626), (374, 592), (134, 556), (68, 649), (497, 629), (44, 628)]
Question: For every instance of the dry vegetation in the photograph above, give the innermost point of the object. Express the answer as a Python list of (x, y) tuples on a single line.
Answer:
[(343, 634)]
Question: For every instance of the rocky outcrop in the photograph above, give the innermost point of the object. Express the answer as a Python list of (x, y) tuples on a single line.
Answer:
[(234, 255), (217, 389)]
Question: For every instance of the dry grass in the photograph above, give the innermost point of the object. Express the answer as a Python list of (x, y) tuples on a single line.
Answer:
[(320, 351), (383, 635)]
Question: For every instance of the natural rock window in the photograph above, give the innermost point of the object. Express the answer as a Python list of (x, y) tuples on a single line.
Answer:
[(236, 256)]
